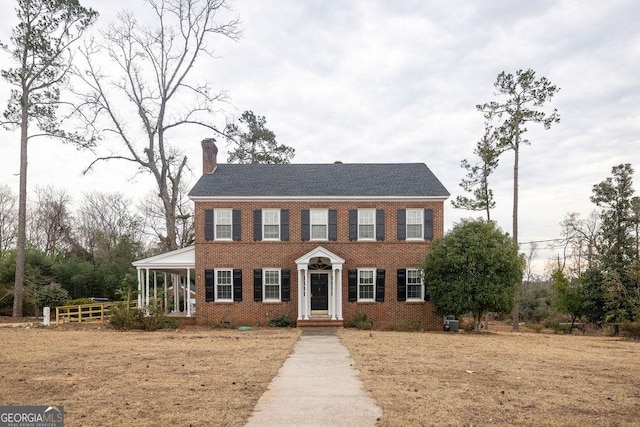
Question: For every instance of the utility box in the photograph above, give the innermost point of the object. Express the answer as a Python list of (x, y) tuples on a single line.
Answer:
[(450, 324)]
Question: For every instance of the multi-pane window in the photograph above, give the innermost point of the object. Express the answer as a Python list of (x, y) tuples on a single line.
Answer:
[(224, 286), (414, 284), (366, 224), (271, 224), (366, 285), (271, 285), (319, 224), (223, 224), (415, 223)]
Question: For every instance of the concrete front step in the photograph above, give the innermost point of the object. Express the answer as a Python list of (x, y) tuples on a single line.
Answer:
[(319, 323)]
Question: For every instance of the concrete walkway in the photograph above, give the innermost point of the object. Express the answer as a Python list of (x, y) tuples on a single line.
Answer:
[(316, 386)]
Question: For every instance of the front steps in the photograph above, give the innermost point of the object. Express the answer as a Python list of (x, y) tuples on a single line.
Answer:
[(319, 322)]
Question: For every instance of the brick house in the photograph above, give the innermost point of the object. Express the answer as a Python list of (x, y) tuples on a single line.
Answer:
[(321, 243)]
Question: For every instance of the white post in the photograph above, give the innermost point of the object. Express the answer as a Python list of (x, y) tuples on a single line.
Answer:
[(146, 292), (307, 296), (46, 314), (139, 288), (155, 288), (339, 293), (332, 297), (300, 293), (188, 288), (166, 305), (176, 295), (184, 301)]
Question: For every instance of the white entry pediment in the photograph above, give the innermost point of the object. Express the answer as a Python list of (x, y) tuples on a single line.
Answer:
[(320, 252)]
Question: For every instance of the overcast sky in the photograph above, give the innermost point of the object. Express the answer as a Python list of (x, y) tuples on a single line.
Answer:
[(398, 81)]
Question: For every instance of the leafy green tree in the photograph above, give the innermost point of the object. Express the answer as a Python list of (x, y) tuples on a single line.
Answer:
[(40, 45), (476, 181), (254, 143), (522, 98), (568, 299), (593, 290), (51, 295), (473, 269)]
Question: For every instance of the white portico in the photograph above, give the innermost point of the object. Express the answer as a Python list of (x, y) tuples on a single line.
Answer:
[(320, 284)]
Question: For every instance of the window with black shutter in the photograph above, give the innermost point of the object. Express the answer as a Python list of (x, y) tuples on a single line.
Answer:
[(284, 224), (333, 225), (353, 285), (402, 224), (208, 224), (428, 224), (305, 220), (209, 285), (237, 227), (353, 224), (379, 224), (402, 284), (237, 284), (380, 274), (257, 224), (285, 276), (257, 284)]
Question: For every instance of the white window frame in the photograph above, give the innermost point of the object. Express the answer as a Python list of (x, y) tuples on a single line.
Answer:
[(414, 214), (420, 276), (361, 272), (324, 222), (217, 222), (276, 273), (217, 277), (264, 223), (361, 223)]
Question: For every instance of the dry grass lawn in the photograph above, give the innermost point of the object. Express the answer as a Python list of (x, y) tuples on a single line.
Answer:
[(204, 377), (103, 377), (504, 379)]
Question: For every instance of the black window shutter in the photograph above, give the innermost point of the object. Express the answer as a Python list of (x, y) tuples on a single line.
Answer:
[(402, 284), (426, 292), (208, 224), (306, 225), (402, 224), (428, 224), (380, 273), (353, 224), (284, 224), (379, 224), (333, 224), (285, 276), (237, 224), (237, 284), (257, 284), (209, 286), (353, 285), (257, 224)]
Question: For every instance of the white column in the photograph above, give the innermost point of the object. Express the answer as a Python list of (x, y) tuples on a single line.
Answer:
[(307, 296), (300, 292), (166, 299), (155, 287), (188, 287), (339, 293), (146, 292), (139, 287), (333, 304), (186, 292), (176, 295)]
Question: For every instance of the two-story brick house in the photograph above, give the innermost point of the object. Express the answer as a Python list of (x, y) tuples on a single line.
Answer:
[(317, 242)]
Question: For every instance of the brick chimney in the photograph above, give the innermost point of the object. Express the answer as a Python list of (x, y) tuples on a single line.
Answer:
[(209, 155)]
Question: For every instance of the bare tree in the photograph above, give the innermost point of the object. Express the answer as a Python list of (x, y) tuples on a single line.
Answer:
[(50, 228), (578, 243), (155, 224), (140, 89), (103, 220), (40, 46), (8, 218)]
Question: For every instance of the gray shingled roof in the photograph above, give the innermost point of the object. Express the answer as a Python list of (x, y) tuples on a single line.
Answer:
[(320, 180)]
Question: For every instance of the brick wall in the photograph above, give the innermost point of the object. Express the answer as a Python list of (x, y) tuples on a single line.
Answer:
[(390, 254)]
